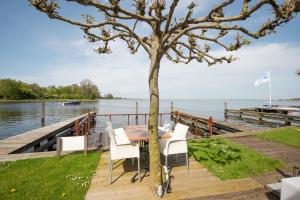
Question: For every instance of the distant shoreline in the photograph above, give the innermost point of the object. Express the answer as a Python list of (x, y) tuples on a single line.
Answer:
[(46, 100)]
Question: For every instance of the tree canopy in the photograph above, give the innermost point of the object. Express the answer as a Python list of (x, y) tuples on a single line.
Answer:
[(182, 38), (17, 90)]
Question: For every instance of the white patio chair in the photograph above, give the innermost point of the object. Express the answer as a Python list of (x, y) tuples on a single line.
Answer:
[(176, 144), (121, 148), (167, 127)]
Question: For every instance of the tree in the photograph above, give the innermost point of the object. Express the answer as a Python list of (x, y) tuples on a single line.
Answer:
[(89, 90), (108, 96), (179, 39)]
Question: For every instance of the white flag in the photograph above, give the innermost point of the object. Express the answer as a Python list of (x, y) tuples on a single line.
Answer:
[(263, 79)]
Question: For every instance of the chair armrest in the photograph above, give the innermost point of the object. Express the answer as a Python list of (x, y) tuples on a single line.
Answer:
[(170, 141)]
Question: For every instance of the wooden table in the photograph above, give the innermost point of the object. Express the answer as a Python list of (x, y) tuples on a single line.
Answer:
[(140, 133)]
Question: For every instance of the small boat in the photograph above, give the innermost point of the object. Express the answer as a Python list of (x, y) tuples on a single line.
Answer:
[(69, 103)]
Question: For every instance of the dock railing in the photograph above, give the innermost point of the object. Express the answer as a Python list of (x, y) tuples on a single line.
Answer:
[(137, 116), (262, 117)]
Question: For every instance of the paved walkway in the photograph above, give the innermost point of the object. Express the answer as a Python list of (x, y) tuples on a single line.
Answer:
[(199, 182)]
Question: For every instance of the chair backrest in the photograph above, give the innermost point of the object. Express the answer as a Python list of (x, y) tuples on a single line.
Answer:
[(121, 137), (168, 126), (111, 134), (116, 136), (180, 132)]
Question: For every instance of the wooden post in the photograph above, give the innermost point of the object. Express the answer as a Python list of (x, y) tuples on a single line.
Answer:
[(89, 123), (260, 118), (36, 147), (77, 128), (160, 119), (50, 148), (128, 119), (210, 127), (58, 147), (287, 121), (225, 110), (241, 114), (145, 119), (42, 113), (85, 144), (136, 113), (110, 118), (82, 128)]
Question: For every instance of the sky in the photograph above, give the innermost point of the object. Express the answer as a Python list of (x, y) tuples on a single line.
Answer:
[(35, 49)]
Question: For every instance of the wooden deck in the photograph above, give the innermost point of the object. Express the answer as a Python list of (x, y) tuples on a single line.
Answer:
[(289, 155), (199, 182), (22, 142)]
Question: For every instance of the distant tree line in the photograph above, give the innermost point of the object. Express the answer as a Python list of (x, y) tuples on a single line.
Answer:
[(18, 90)]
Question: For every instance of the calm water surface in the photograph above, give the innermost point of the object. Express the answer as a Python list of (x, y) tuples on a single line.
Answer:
[(16, 118)]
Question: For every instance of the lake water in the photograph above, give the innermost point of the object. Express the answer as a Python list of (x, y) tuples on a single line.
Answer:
[(16, 118)]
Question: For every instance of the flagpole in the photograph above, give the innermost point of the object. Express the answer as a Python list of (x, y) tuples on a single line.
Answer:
[(270, 90)]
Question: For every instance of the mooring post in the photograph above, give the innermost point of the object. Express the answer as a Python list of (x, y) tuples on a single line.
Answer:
[(210, 126), (136, 113), (42, 113), (225, 110)]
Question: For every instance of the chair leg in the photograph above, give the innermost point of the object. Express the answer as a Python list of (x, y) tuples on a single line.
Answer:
[(110, 171), (187, 162), (139, 169), (166, 161)]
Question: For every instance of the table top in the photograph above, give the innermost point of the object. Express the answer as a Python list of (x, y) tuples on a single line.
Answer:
[(140, 132)]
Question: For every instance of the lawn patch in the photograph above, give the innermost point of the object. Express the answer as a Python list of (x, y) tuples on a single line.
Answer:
[(48, 178), (228, 160), (289, 136)]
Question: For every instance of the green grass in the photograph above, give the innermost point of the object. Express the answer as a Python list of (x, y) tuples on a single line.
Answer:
[(289, 136), (228, 160), (48, 178)]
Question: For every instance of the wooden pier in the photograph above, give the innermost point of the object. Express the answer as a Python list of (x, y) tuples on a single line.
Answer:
[(262, 117), (44, 138), (206, 126)]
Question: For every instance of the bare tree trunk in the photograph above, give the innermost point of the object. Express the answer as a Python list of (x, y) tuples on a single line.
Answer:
[(155, 169)]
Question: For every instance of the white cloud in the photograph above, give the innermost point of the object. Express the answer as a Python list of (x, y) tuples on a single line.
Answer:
[(126, 75)]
